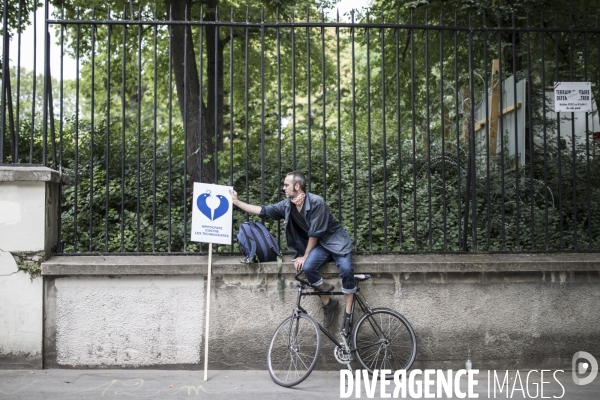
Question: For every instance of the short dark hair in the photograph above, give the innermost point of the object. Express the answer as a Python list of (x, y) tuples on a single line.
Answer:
[(299, 178)]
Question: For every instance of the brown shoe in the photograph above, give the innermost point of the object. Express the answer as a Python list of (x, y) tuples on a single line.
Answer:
[(324, 289)]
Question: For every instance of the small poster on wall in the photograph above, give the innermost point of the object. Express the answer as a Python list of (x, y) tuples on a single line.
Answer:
[(212, 214)]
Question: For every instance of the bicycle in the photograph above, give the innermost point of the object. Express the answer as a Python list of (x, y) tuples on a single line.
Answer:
[(380, 339)]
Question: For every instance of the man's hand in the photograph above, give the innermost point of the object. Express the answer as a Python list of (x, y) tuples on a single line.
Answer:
[(299, 262), (244, 206)]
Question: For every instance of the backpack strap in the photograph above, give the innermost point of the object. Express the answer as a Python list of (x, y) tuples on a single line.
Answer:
[(251, 242), (279, 265)]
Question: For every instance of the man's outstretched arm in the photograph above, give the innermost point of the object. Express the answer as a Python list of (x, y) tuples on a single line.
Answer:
[(252, 209)]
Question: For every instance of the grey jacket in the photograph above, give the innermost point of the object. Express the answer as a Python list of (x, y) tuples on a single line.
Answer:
[(321, 224)]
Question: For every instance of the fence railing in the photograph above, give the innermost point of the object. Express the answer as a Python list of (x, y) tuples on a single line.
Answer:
[(423, 134)]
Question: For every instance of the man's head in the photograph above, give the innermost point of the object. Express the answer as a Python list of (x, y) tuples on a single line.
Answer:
[(294, 184)]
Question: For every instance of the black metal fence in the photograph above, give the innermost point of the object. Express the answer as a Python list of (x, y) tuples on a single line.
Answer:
[(423, 134)]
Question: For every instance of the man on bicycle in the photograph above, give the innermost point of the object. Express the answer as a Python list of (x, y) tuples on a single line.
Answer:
[(315, 237)]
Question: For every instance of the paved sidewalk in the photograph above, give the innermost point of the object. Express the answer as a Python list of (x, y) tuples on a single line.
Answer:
[(232, 385)]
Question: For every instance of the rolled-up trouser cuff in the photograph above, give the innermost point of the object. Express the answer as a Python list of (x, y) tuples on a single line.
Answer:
[(318, 283), (349, 291)]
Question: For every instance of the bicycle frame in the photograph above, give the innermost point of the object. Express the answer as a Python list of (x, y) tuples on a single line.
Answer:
[(357, 298)]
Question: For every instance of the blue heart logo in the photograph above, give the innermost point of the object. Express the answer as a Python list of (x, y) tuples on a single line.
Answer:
[(212, 213)]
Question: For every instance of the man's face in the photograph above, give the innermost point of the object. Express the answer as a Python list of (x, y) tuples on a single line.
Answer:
[(288, 187)]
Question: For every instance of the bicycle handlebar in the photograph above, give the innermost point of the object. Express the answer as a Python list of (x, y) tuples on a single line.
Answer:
[(302, 281)]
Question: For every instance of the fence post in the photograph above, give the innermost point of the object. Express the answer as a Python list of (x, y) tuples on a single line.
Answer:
[(46, 77), (494, 108), (5, 75)]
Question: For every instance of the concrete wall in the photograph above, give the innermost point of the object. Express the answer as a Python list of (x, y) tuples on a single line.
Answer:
[(29, 209), (21, 317), (128, 321), (28, 232), (22, 216), (509, 310)]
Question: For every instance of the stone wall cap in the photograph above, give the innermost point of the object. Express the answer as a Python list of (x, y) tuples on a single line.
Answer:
[(31, 173), (409, 263)]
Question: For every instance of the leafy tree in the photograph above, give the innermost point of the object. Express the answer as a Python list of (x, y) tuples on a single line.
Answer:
[(19, 14), (199, 113), (26, 122)]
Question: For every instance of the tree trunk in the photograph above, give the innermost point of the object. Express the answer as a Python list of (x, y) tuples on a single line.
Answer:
[(215, 94), (199, 141)]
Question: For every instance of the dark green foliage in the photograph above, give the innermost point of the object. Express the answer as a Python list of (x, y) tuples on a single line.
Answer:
[(512, 215), (538, 226), (390, 163), (135, 196)]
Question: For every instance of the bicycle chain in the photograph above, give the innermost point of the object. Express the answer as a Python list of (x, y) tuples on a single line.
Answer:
[(343, 355)]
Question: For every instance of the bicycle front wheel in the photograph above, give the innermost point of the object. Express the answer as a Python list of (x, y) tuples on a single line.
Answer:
[(383, 339), (294, 350)]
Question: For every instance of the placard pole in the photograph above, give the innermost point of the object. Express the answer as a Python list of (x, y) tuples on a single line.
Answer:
[(208, 280)]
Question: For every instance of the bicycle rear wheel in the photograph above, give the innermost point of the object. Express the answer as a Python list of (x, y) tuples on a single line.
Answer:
[(384, 339), (294, 349)]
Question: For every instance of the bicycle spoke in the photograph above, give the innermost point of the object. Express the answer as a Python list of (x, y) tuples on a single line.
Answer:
[(382, 340), (293, 351), (371, 354), (293, 364)]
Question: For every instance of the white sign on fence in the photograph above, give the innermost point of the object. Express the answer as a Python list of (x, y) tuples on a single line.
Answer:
[(572, 97), (212, 214)]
